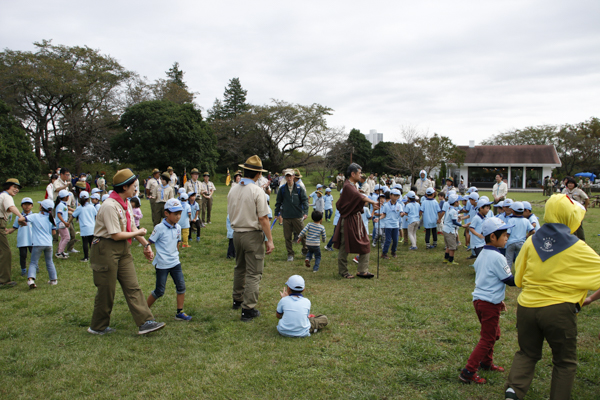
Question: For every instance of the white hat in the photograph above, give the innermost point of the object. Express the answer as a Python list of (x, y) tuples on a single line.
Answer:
[(296, 283), (430, 190), (26, 200), (173, 205), (183, 196), (452, 199), (47, 204), (483, 202), (411, 195), (106, 196), (84, 195), (63, 193), (474, 196), (181, 190), (396, 192), (492, 225), (517, 206), (95, 196)]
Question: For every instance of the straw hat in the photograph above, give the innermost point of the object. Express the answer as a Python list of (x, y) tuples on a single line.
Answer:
[(297, 173), (195, 171), (13, 181), (253, 164)]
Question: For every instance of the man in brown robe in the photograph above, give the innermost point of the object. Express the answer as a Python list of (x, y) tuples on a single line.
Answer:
[(351, 235)]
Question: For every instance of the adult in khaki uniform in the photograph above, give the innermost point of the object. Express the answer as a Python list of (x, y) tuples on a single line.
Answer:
[(291, 207), (162, 192), (150, 189), (111, 259), (101, 183), (7, 205), (172, 177), (193, 185), (207, 189), (248, 213)]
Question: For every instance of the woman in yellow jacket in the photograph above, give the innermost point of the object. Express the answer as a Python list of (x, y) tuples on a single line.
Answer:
[(555, 270)]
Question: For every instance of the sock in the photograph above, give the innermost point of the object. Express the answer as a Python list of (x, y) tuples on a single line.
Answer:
[(450, 259), (446, 255), (179, 310)]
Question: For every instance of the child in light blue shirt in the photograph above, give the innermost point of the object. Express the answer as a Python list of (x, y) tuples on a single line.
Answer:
[(86, 214), (391, 212), (24, 238), (166, 237), (530, 216), (230, 247), (430, 210), (184, 221), (293, 311), (477, 238), (328, 204), (413, 212), (518, 234), (449, 231), (42, 228)]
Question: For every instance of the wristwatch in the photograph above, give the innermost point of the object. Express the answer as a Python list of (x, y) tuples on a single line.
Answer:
[(147, 245)]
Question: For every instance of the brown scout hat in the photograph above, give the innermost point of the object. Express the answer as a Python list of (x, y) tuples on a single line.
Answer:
[(13, 181), (155, 171), (253, 164), (195, 171), (165, 176), (206, 174), (170, 169), (80, 185), (124, 177)]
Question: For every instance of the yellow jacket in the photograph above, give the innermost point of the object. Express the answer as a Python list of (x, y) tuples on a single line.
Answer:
[(548, 272)]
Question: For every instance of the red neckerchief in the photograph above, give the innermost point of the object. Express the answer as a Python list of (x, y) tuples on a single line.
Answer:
[(115, 196)]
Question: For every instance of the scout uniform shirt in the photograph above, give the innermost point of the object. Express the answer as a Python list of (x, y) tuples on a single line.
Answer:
[(6, 201), (151, 186), (173, 181), (576, 194), (245, 205), (112, 219), (191, 186), (161, 195), (208, 188)]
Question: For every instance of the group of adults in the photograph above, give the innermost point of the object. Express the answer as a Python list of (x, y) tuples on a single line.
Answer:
[(161, 187)]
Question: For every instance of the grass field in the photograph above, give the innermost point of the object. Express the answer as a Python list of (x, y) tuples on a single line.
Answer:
[(405, 335)]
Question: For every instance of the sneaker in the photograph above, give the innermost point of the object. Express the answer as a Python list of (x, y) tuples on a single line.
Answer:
[(182, 317), (446, 260), (52, 283), (355, 259), (197, 239), (290, 258), (139, 245), (73, 251), (328, 248), (374, 244), (385, 257), (61, 255), (453, 263), (106, 330), (236, 305), (85, 259), (413, 248), (31, 284), (468, 377), (249, 314), (307, 263), (493, 368), (185, 245), (510, 394), (23, 272), (394, 255), (150, 326)]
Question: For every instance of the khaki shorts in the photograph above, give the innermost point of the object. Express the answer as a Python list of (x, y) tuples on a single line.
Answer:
[(450, 240)]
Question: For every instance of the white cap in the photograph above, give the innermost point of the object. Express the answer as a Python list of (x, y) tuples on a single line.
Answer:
[(517, 206), (26, 200), (296, 283), (452, 199), (95, 196), (483, 202), (430, 190), (181, 191), (173, 205), (411, 195), (183, 196), (106, 196), (47, 204), (474, 196), (84, 195), (63, 193), (492, 225)]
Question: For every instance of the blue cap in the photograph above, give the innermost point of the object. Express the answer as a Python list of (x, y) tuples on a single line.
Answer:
[(492, 225), (527, 205), (327, 190), (396, 192), (508, 202), (483, 202), (63, 193), (173, 205), (473, 189), (405, 199), (500, 204), (47, 204), (430, 190), (296, 283), (84, 195), (411, 195), (319, 186), (95, 196), (26, 200), (517, 206), (376, 187)]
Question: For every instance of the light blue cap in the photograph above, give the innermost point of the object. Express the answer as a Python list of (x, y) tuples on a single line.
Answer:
[(452, 199), (63, 193), (26, 200), (411, 195), (183, 196), (492, 225), (96, 190), (527, 205), (474, 196), (47, 204), (396, 192), (95, 196), (106, 196), (483, 202), (319, 186), (327, 190), (517, 206), (173, 205), (508, 202)]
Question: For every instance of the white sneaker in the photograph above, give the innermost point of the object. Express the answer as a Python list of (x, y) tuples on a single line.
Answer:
[(73, 251), (53, 283)]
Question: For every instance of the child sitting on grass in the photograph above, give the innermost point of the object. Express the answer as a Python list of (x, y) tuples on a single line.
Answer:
[(314, 231), (166, 238), (293, 311), (492, 274)]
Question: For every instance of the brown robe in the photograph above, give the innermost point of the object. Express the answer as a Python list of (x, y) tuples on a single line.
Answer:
[(350, 205)]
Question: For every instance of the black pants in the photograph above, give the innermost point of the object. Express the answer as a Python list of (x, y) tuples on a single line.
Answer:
[(23, 256), (231, 249), (428, 233), (194, 226), (332, 235), (87, 242)]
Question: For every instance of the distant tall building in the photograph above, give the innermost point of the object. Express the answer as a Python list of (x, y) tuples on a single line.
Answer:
[(374, 137)]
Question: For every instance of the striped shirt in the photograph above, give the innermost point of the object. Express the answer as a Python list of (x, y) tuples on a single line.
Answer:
[(312, 232)]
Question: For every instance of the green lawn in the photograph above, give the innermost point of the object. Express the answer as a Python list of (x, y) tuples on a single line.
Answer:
[(405, 335)]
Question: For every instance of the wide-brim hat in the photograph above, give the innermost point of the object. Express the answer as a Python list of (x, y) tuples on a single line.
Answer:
[(170, 169), (13, 181), (297, 173), (253, 164), (288, 171), (80, 185), (124, 177), (155, 171), (195, 171), (206, 174), (238, 172), (165, 176)]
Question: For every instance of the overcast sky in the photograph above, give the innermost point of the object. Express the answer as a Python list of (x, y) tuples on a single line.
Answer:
[(463, 69)]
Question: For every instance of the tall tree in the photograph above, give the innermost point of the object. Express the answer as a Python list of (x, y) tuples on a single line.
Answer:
[(175, 76), (16, 157), (173, 88), (50, 86), (360, 149), (160, 133), (539, 135), (234, 99), (437, 149), (578, 147), (408, 155)]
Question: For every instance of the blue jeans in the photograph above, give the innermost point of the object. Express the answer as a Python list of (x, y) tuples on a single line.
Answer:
[(328, 214), (36, 253), (331, 239), (391, 236), (316, 250), (161, 279)]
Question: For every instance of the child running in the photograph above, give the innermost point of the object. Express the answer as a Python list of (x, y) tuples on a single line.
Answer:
[(293, 311), (42, 228), (166, 237), (86, 214), (492, 274), (314, 233), (476, 225), (24, 239), (521, 230)]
